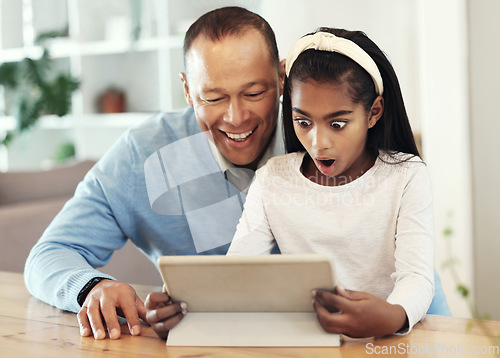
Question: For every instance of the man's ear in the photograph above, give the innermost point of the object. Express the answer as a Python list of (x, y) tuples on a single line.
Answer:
[(376, 111), (282, 75), (185, 87)]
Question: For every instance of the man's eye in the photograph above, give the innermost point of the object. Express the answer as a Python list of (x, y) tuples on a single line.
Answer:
[(256, 95), (212, 100), (338, 124)]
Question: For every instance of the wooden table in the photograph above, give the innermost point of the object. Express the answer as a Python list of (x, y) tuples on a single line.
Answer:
[(30, 328)]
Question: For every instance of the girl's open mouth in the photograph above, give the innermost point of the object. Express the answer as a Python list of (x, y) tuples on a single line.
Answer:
[(327, 162), (326, 166)]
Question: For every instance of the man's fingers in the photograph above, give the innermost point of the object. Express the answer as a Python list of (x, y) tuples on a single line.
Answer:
[(83, 321), (108, 310), (104, 302), (141, 309), (129, 310), (95, 318)]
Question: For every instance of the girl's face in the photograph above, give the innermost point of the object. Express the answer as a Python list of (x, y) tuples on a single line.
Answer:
[(333, 130)]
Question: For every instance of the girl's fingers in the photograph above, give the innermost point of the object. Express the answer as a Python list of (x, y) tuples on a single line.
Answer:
[(331, 322), (331, 300), (352, 295), (166, 312), (161, 328), (154, 299)]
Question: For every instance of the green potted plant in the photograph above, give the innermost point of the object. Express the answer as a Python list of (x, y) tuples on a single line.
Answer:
[(33, 89)]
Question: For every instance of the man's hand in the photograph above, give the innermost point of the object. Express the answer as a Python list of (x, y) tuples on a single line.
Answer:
[(102, 305), (162, 314), (361, 314)]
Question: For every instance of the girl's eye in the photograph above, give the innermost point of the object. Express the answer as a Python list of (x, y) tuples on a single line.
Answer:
[(302, 122), (338, 124)]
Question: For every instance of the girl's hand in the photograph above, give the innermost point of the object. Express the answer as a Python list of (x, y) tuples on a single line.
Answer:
[(358, 314), (162, 314)]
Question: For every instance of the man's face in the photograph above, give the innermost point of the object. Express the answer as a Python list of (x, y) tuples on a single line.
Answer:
[(234, 89)]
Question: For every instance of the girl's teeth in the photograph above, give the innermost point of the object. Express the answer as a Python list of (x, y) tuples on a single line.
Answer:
[(239, 137)]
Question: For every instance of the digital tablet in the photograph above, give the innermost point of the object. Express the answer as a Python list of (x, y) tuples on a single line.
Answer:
[(268, 283)]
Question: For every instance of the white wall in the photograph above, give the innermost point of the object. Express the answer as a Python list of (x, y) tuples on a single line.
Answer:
[(445, 132), (485, 128)]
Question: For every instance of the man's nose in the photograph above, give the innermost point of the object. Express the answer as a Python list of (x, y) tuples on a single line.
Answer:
[(236, 113)]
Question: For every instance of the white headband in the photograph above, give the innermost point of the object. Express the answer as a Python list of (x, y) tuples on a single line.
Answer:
[(325, 41)]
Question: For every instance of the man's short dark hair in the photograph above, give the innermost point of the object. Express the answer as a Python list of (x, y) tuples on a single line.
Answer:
[(232, 20)]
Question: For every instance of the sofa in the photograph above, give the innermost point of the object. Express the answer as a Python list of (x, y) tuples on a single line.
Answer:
[(30, 200)]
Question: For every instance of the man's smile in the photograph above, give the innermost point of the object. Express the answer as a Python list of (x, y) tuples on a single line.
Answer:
[(239, 137)]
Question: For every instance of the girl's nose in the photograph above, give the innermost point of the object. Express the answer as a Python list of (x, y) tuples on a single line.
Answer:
[(322, 138)]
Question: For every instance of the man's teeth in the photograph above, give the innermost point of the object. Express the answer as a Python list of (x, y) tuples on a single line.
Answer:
[(239, 137)]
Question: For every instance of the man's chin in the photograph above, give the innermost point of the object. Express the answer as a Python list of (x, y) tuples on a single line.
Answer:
[(244, 162)]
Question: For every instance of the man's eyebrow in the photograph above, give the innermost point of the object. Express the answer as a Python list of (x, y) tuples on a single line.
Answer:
[(254, 83), (245, 86), (210, 90), (328, 116)]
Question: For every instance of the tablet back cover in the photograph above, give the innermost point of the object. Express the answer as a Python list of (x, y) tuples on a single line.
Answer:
[(270, 283)]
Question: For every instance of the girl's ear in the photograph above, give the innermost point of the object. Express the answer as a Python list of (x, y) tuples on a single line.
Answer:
[(282, 75), (185, 86), (376, 111)]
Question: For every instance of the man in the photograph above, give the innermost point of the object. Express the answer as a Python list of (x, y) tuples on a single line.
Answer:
[(175, 184)]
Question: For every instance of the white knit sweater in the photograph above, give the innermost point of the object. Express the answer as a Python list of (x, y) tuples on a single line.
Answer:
[(379, 228)]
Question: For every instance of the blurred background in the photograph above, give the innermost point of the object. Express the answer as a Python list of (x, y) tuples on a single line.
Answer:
[(76, 73)]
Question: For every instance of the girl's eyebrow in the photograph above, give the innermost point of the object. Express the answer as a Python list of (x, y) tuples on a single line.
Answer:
[(328, 116)]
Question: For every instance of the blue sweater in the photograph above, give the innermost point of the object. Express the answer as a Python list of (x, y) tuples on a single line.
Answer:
[(159, 186)]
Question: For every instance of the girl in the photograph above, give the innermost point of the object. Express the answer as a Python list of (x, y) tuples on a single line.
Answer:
[(352, 185)]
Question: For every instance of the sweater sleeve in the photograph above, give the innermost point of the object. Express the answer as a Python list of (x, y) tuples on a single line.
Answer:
[(414, 246), (83, 235), (253, 234)]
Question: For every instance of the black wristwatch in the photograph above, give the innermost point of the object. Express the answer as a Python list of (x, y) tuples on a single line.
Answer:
[(87, 288)]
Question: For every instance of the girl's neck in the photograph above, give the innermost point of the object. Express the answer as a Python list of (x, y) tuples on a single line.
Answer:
[(311, 172)]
